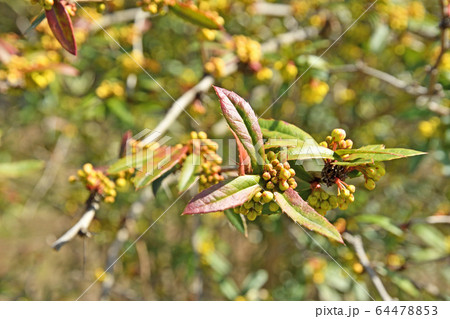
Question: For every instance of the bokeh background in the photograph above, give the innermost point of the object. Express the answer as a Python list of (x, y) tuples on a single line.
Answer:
[(52, 122)]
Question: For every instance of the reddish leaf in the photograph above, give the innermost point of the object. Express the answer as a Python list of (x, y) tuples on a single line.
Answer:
[(225, 195), (300, 212), (146, 177), (61, 25), (245, 166), (242, 120)]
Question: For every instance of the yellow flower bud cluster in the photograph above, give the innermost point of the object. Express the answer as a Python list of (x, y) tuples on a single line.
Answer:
[(416, 10), (345, 195), (210, 172), (337, 140), (321, 201), (137, 146), (154, 6), (71, 7), (215, 66), (264, 74), (248, 50), (300, 8), (47, 4), (430, 127), (254, 207), (372, 173), (277, 174), (289, 71), (37, 72), (133, 63), (314, 91), (96, 180), (101, 7), (108, 89), (208, 34), (398, 17)]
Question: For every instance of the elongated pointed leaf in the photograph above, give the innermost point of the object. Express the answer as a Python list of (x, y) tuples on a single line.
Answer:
[(242, 120), (159, 164), (300, 212), (156, 184), (382, 221), (356, 162), (238, 221), (188, 175), (20, 168), (61, 25), (145, 158), (309, 151), (225, 195), (274, 129), (244, 164), (37, 21), (377, 154), (194, 15), (281, 142)]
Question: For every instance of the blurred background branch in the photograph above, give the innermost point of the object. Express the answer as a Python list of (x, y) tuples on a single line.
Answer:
[(356, 242)]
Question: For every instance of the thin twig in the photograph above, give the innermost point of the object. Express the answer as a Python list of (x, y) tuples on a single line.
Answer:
[(438, 219), (413, 89), (357, 243), (434, 71), (140, 21), (81, 227)]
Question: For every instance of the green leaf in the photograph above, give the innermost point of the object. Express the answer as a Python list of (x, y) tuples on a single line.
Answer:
[(225, 195), (432, 236), (218, 263), (119, 109), (158, 163), (61, 25), (377, 154), (243, 122), (37, 21), (20, 168), (309, 151), (356, 162), (404, 284), (382, 221), (273, 129), (229, 288), (300, 212), (255, 280), (237, 221), (189, 170), (313, 61), (145, 158), (156, 184), (191, 13), (277, 143)]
